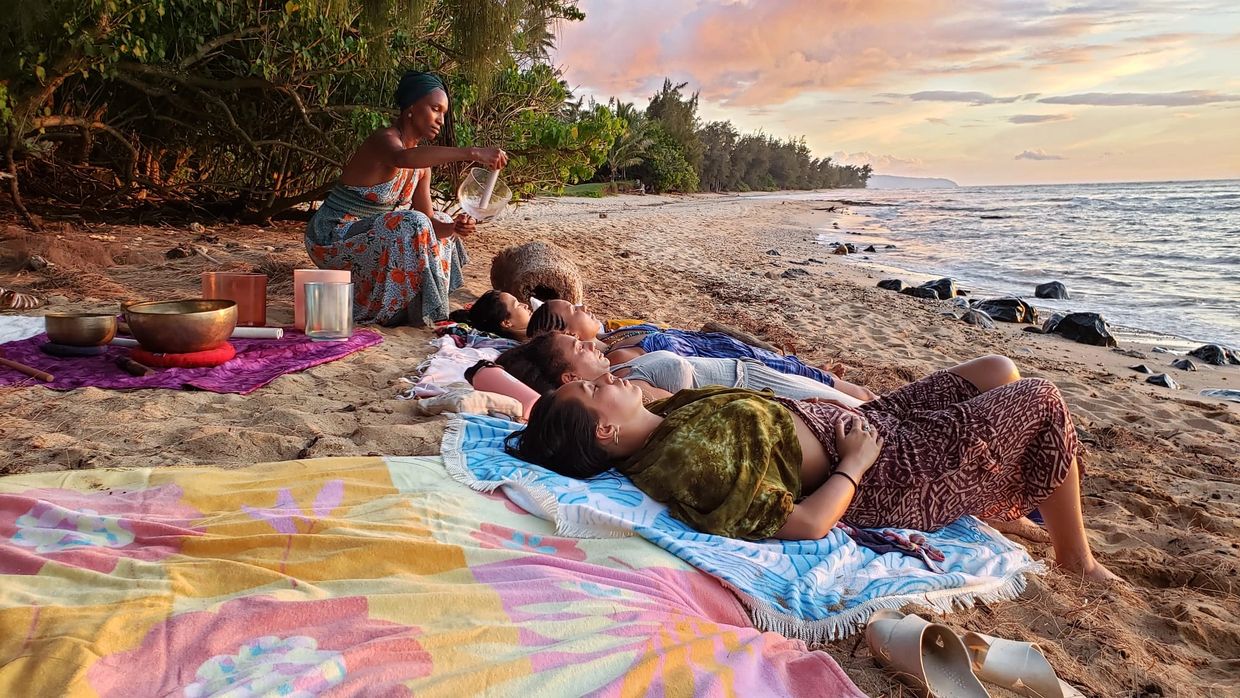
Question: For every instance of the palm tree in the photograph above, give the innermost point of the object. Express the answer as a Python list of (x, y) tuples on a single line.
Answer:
[(630, 146)]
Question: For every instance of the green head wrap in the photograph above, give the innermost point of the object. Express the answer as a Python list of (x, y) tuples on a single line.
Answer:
[(414, 86)]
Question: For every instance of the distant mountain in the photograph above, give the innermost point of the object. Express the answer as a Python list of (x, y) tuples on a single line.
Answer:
[(894, 182)]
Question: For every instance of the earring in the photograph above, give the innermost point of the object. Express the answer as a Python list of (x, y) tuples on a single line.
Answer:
[(615, 436)]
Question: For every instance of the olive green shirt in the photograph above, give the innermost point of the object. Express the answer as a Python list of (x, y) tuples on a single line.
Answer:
[(725, 461)]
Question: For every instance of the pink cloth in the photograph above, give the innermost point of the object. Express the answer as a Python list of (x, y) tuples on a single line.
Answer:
[(258, 362)]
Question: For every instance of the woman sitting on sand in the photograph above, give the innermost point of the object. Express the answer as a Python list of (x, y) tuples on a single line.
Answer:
[(551, 360), (628, 343), (405, 261), (742, 464)]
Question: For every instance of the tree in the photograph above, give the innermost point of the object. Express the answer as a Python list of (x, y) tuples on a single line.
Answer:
[(677, 115), (718, 143), (248, 108), (634, 140), (665, 167)]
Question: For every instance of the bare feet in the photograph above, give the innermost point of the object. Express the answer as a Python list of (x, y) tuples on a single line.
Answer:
[(1022, 527), (1091, 571)]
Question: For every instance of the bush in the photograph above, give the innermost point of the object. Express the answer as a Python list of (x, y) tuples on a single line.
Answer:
[(665, 167)]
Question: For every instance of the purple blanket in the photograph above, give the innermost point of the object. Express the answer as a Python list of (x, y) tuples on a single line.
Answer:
[(258, 362)]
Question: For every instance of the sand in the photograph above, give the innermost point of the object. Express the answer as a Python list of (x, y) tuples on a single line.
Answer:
[(1163, 483)]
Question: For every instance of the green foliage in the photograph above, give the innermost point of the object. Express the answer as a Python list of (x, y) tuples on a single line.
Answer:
[(665, 167), (677, 115), (256, 104), (657, 146), (631, 144)]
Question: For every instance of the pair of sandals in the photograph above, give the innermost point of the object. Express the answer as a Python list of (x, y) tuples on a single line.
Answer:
[(14, 300), (932, 659)]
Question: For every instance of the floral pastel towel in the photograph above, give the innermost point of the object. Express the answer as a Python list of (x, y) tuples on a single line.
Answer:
[(814, 591), (258, 362), (353, 577)]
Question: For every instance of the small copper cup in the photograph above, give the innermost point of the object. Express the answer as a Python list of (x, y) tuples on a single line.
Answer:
[(248, 290)]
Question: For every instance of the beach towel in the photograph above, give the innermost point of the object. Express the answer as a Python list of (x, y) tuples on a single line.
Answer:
[(816, 591), (258, 362), (358, 577)]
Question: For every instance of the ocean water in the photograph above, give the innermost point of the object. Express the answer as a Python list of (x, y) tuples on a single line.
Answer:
[(1160, 257)]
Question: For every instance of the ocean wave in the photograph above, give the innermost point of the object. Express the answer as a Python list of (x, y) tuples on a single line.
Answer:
[(1145, 255)]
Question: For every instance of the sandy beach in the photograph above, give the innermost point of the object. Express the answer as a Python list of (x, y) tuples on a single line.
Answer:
[(1161, 493)]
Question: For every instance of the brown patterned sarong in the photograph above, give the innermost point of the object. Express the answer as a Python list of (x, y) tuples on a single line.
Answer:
[(949, 450)]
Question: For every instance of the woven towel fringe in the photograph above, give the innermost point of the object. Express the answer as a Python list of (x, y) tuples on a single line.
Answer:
[(453, 452), (819, 632)]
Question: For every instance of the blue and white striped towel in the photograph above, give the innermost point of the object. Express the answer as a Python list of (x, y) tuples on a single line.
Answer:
[(816, 591)]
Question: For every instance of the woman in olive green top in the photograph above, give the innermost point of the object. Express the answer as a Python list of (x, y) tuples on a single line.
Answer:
[(745, 464)]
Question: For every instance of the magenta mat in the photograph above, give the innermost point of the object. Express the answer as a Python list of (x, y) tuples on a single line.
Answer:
[(258, 362)]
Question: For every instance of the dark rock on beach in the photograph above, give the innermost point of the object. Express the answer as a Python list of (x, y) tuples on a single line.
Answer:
[(1184, 365), (1086, 328), (870, 249), (920, 292), (794, 273), (892, 285), (1223, 394), (1142, 368), (1216, 354), (1008, 310), (977, 317), (1164, 380), (889, 247), (944, 289), (773, 253), (1052, 322), (1051, 289)]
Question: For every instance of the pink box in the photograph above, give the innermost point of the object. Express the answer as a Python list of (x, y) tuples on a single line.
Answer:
[(303, 276)]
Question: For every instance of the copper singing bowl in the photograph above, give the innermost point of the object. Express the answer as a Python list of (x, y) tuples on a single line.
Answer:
[(182, 326), (81, 329)]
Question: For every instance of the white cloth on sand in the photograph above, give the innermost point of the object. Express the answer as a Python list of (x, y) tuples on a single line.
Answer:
[(445, 369), (14, 328)]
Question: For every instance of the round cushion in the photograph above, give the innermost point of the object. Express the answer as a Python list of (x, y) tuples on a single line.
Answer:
[(197, 359), (66, 350)]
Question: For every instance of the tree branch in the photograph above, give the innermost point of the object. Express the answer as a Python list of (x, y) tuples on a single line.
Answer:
[(285, 203), (54, 121), (217, 42)]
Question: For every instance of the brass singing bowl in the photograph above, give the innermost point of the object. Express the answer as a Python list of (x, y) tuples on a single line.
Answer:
[(181, 326), (81, 329)]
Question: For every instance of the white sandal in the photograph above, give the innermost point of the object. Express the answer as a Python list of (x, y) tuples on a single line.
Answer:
[(1017, 666), (927, 656)]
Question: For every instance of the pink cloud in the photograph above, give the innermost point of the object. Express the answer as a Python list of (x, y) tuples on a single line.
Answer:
[(748, 53), (886, 164)]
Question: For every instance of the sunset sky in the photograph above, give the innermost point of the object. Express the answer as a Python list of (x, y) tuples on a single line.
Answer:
[(985, 92)]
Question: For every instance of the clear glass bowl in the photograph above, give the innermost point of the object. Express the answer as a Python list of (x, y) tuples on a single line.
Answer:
[(469, 194)]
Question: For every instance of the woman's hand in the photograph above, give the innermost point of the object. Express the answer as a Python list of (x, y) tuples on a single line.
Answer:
[(463, 225), (493, 158), (859, 447)]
